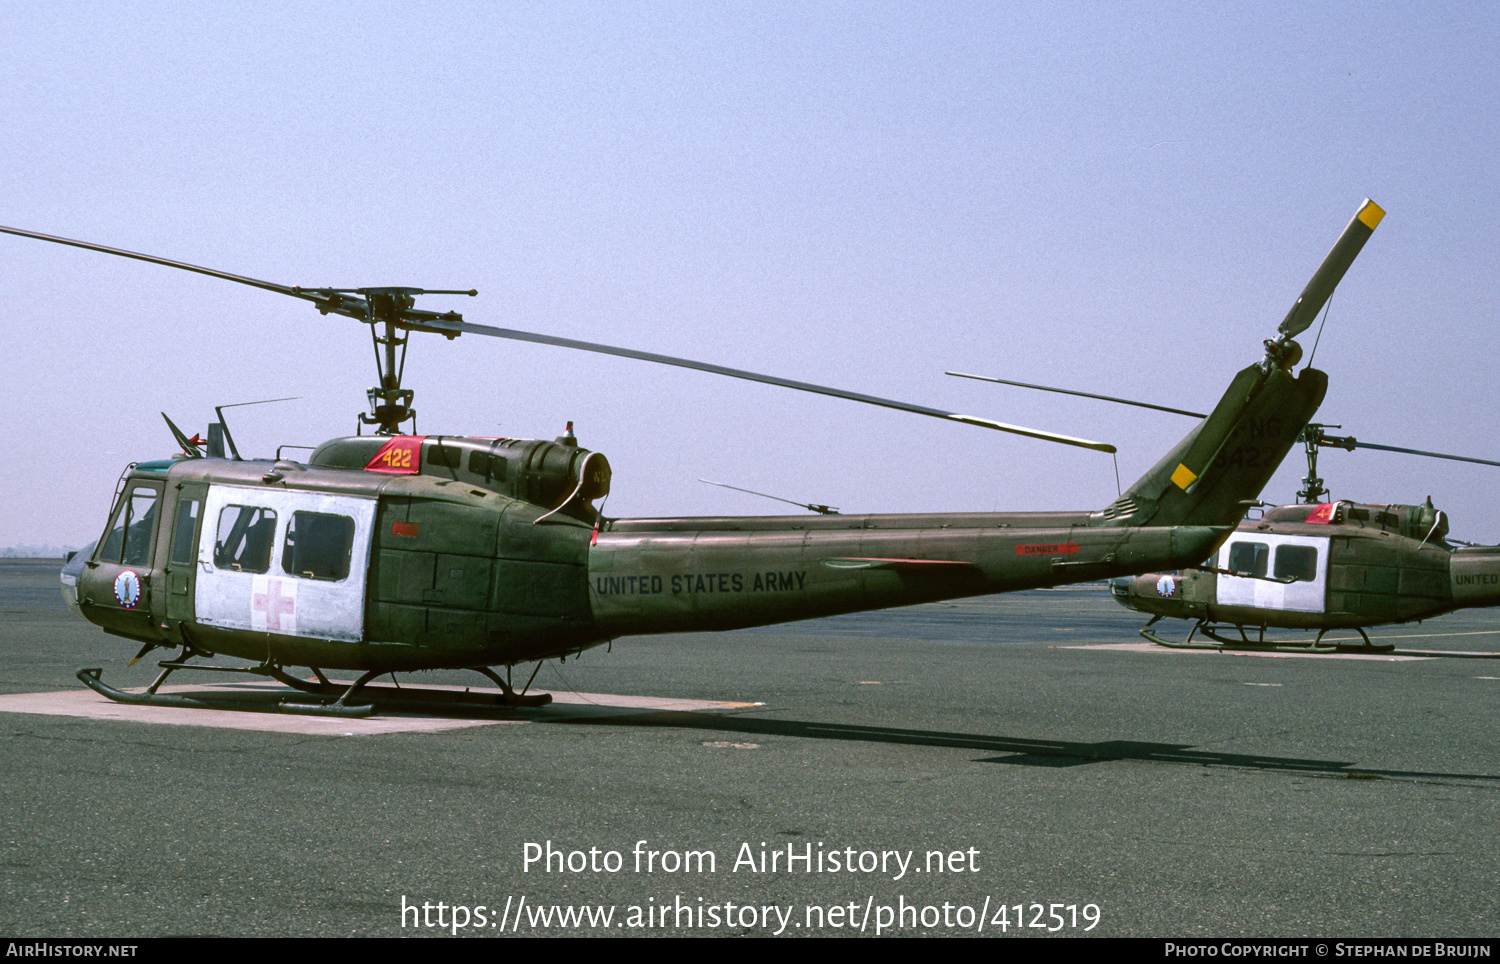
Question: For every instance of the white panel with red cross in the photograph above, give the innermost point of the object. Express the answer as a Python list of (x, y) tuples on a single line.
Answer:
[(284, 562)]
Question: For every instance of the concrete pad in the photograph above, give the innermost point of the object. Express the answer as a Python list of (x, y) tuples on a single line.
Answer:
[(84, 703)]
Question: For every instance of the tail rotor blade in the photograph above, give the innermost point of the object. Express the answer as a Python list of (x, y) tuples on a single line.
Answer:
[(1331, 271)]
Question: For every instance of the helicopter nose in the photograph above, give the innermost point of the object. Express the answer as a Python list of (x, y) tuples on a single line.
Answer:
[(1119, 586), (72, 569)]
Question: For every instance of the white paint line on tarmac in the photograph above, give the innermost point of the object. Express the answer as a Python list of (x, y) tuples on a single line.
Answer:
[(1144, 647)]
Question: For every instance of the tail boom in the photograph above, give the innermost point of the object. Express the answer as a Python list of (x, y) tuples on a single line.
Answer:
[(686, 575)]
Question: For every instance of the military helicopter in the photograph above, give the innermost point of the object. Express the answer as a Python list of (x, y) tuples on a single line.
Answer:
[(1323, 565), (1315, 565), (394, 552)]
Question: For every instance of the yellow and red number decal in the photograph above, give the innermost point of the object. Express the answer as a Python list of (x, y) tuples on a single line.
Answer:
[(402, 455), (1322, 514)]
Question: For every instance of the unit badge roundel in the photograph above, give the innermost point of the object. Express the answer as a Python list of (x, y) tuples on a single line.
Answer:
[(1166, 587), (128, 589)]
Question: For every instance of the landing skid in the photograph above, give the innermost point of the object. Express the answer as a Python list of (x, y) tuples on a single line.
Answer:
[(508, 698), (337, 705), (149, 697), (1259, 643)]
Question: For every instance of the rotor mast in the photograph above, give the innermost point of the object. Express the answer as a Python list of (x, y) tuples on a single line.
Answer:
[(1312, 437), (390, 404), (390, 314)]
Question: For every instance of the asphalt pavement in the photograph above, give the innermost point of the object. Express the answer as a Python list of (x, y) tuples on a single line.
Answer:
[(1006, 765)]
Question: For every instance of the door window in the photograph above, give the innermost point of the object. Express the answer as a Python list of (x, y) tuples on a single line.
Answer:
[(1297, 562), (318, 545), (184, 546), (246, 536), (1249, 558)]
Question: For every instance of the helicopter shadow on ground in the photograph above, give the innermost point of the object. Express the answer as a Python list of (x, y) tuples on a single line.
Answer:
[(1015, 751), (263, 698), (257, 699)]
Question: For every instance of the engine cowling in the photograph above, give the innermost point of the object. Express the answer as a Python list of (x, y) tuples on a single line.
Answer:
[(555, 475)]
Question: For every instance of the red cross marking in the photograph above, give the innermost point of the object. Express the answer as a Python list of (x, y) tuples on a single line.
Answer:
[(273, 604)]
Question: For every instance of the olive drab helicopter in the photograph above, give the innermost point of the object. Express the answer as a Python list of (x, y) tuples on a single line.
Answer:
[(394, 552), (1317, 565), (1321, 565)]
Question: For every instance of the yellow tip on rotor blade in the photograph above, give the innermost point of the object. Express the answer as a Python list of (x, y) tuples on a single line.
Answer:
[(1370, 214), (1183, 477)]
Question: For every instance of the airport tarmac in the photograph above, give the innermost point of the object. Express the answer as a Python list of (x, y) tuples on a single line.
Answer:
[(963, 757)]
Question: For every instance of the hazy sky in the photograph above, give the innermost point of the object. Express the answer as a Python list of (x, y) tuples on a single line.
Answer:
[(1120, 198)]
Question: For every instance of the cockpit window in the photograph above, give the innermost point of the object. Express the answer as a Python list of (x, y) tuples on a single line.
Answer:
[(132, 531), (245, 538)]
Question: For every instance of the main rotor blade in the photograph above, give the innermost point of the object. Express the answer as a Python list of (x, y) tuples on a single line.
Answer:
[(327, 300), (512, 334), (820, 509), (211, 272), (1069, 391), (1331, 271), (451, 323), (1349, 444)]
